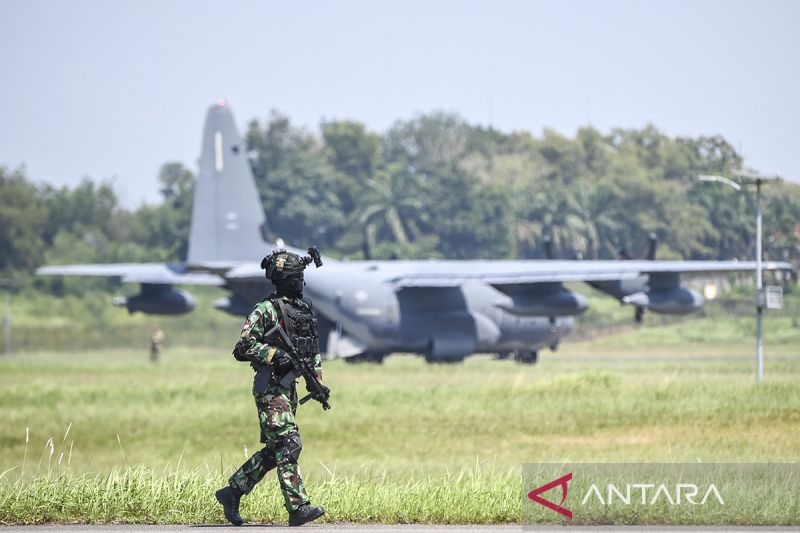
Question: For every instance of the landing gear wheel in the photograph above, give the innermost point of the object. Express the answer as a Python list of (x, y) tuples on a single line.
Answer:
[(527, 358), (442, 360), (368, 357)]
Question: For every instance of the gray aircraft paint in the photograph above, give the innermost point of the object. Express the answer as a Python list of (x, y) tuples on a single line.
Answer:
[(442, 322), (443, 309), (227, 216)]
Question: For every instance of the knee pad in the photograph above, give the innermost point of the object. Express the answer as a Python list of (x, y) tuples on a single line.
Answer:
[(289, 448), (266, 459)]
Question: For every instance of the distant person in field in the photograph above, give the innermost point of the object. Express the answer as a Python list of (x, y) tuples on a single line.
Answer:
[(274, 386), (156, 341)]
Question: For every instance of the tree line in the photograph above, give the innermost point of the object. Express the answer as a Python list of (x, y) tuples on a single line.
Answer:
[(432, 186)]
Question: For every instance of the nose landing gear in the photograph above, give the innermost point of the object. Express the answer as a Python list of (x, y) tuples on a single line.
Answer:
[(366, 357), (526, 357)]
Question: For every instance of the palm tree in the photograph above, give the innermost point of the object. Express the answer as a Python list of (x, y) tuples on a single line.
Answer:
[(391, 201), (557, 213)]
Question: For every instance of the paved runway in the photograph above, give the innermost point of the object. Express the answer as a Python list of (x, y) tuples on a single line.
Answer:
[(350, 528)]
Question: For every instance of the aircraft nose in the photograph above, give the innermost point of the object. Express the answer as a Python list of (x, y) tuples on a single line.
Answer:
[(565, 325)]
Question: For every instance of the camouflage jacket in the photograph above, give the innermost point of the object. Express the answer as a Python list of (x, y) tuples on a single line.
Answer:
[(260, 348)]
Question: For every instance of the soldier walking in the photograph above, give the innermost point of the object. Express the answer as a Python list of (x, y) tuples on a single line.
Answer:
[(156, 341), (274, 354)]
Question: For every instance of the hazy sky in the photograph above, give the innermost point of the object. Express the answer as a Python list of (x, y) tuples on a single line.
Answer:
[(114, 88)]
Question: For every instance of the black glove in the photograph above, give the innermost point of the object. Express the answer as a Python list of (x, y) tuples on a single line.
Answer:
[(240, 351), (281, 363), (322, 394)]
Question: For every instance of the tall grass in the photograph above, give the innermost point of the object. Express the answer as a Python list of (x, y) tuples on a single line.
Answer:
[(107, 436), (141, 495)]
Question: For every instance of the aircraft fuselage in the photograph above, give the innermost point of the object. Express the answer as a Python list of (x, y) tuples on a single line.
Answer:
[(442, 323)]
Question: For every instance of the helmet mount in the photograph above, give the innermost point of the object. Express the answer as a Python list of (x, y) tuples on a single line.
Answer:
[(281, 264)]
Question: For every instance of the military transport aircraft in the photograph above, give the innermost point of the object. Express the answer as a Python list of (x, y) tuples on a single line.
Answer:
[(442, 309)]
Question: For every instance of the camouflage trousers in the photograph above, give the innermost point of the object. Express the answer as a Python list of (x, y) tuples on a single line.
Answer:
[(282, 446)]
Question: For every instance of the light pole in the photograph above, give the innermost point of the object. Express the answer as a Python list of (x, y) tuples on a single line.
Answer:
[(7, 323), (9, 286), (751, 177)]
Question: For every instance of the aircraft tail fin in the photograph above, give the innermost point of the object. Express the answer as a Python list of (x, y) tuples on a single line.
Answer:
[(228, 221)]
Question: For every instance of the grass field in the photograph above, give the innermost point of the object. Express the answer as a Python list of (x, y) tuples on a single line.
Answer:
[(105, 435)]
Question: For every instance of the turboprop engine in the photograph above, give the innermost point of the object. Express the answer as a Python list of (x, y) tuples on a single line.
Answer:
[(233, 305), (158, 299), (658, 292), (664, 294), (542, 299), (670, 300)]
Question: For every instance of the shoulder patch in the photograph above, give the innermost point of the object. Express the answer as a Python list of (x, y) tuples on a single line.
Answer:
[(271, 310), (253, 318)]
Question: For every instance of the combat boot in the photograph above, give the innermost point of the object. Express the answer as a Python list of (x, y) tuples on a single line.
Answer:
[(229, 498), (305, 513)]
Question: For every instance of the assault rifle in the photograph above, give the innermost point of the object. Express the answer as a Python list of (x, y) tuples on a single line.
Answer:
[(302, 367)]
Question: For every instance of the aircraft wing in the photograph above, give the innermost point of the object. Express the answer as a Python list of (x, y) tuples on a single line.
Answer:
[(146, 273), (410, 274), (533, 272), (245, 272)]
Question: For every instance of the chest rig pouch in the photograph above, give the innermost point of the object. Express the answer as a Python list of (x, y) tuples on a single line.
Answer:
[(300, 325)]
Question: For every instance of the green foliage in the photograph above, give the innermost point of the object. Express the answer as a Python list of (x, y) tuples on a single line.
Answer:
[(165, 227), (430, 186), (89, 209), (21, 216), (300, 191), (352, 150)]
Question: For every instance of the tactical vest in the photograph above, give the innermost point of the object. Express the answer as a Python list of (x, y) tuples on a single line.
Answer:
[(300, 325)]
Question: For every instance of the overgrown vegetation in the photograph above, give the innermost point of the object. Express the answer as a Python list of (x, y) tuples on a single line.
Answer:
[(139, 495), (425, 442)]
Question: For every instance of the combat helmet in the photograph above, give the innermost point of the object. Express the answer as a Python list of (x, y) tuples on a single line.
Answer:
[(282, 268), (280, 264)]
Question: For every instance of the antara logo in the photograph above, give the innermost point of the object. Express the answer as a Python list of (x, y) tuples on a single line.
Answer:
[(633, 492), (563, 483), (683, 492)]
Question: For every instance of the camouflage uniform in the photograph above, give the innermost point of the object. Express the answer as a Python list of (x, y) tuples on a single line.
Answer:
[(277, 407)]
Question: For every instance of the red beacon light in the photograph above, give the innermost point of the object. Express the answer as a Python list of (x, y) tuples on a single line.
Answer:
[(221, 102)]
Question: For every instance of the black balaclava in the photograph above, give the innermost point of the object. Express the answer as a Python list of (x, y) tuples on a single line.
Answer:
[(291, 287)]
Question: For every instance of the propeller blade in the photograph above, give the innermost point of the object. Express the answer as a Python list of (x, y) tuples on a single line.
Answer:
[(651, 251)]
